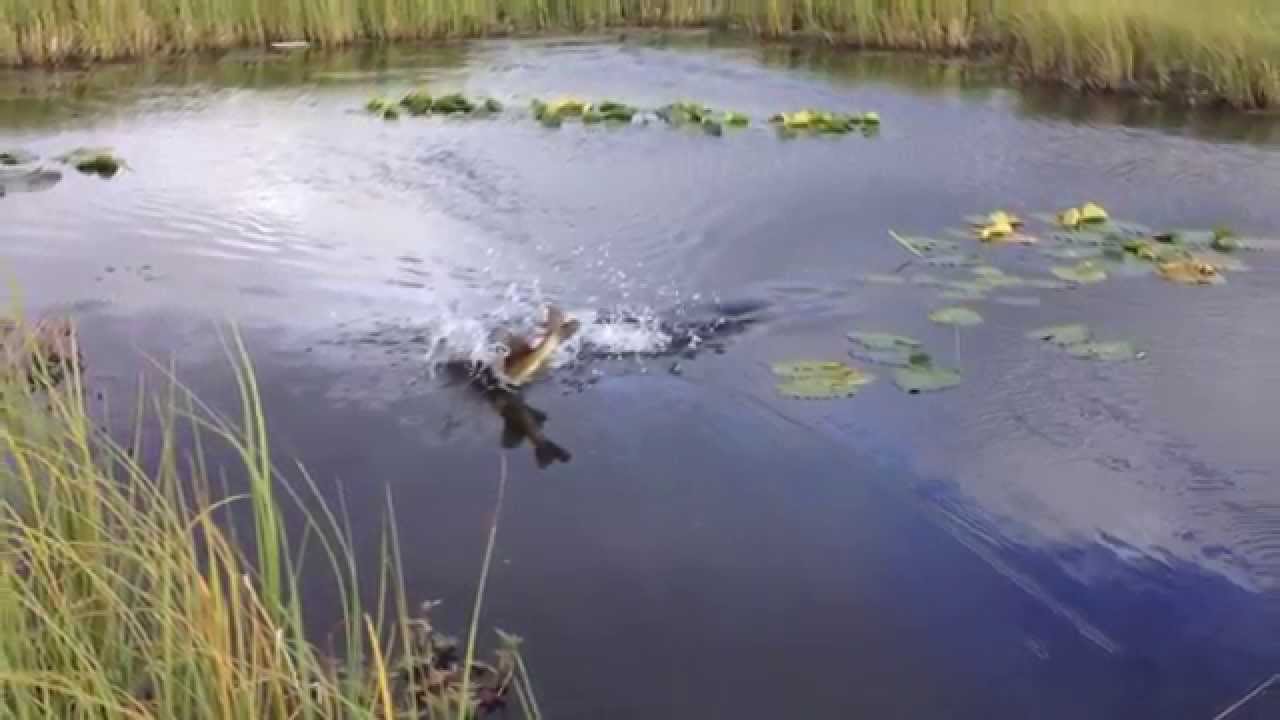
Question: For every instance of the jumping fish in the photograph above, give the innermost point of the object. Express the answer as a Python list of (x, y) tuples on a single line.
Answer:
[(525, 361)]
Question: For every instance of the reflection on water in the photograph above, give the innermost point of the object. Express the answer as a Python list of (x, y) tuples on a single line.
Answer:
[(1106, 538)]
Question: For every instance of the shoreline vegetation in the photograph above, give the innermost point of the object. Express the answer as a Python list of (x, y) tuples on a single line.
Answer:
[(1179, 50), (127, 592)]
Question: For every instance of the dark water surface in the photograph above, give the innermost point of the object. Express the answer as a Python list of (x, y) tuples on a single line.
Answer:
[(1052, 539)]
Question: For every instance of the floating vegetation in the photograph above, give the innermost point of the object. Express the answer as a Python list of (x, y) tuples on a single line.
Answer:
[(417, 103), (1190, 271), (999, 225), (711, 121), (884, 349), (956, 316), (94, 161), (1017, 300), (921, 376), (1086, 272), (819, 379), (383, 108), (1115, 351), (1088, 214), (552, 114), (17, 156), (821, 121), (1077, 340)]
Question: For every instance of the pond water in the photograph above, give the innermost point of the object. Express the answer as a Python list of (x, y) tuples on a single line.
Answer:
[(1053, 538)]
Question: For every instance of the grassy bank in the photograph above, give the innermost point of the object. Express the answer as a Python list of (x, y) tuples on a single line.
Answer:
[(1225, 51), (123, 593)]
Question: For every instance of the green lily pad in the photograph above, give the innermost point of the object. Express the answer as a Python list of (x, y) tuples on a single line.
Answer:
[(452, 104), (819, 379), (94, 161), (818, 388), (416, 103), (883, 341), (924, 377), (713, 128), (1062, 335), (1088, 272), (1115, 351), (811, 368), (17, 156), (591, 117), (735, 120), (954, 260), (957, 316)]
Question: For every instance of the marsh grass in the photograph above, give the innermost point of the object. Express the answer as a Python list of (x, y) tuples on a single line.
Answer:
[(125, 594), (1226, 51)]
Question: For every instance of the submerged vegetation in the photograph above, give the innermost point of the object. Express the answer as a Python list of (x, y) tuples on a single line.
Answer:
[(1227, 51), (125, 591)]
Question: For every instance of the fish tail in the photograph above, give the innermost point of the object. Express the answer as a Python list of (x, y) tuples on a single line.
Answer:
[(555, 318), (548, 452)]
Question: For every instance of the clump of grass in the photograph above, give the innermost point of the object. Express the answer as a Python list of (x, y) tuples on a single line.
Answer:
[(123, 593), (1228, 52)]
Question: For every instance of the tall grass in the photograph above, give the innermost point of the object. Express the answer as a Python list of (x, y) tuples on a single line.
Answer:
[(124, 592), (1224, 51)]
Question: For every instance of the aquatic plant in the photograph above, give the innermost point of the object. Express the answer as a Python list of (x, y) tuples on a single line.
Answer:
[(384, 108), (125, 593), (957, 316), (921, 376), (416, 102), (94, 161), (1167, 48), (819, 379), (1077, 340), (822, 121)]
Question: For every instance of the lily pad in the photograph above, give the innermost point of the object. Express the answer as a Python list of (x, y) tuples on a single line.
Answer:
[(735, 120), (957, 316), (94, 161), (17, 156), (1062, 335), (818, 388), (810, 368), (417, 102), (883, 341), (818, 379), (1191, 272), (962, 295), (452, 104), (1115, 351), (1088, 272), (925, 377)]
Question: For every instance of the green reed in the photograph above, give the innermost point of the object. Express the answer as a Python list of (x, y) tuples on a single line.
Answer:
[(125, 593), (1224, 51)]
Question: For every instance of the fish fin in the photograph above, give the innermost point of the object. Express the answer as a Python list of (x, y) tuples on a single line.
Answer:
[(517, 347), (555, 317), (511, 434), (548, 452), (568, 328)]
